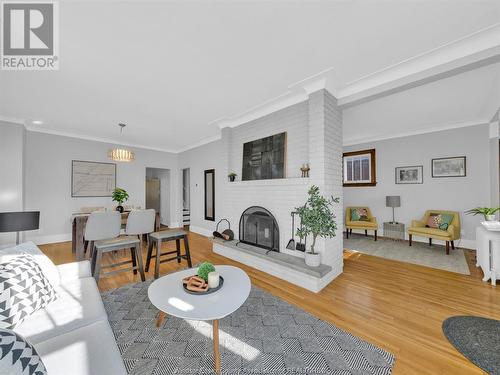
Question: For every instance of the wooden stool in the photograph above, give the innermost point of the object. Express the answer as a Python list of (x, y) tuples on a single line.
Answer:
[(118, 243), (157, 238)]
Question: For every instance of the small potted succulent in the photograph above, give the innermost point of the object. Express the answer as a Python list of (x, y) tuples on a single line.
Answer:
[(316, 219), (488, 212), (232, 176), (119, 195)]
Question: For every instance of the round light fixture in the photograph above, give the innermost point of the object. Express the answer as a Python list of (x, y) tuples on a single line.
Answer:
[(119, 153)]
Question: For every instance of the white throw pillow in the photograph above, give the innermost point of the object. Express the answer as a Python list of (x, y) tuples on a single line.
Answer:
[(18, 356), (48, 268), (24, 289)]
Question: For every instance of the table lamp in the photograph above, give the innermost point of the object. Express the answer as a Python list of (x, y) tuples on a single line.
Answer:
[(393, 201), (19, 221)]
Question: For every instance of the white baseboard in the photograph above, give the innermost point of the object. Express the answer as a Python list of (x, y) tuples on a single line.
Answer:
[(175, 224), (52, 238), (199, 230)]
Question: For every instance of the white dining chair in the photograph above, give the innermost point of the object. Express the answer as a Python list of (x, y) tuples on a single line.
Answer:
[(103, 232), (140, 223)]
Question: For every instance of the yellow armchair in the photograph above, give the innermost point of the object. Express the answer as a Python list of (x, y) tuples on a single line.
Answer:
[(452, 233), (371, 224)]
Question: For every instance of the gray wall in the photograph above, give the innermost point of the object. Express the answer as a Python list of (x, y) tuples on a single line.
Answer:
[(459, 194), (12, 138), (48, 180), (198, 160)]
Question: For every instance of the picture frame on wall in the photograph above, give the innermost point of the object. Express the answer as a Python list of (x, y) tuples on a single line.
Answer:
[(449, 167), (410, 175), (92, 179)]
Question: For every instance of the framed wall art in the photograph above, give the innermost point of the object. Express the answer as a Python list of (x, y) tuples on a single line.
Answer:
[(410, 175), (449, 167)]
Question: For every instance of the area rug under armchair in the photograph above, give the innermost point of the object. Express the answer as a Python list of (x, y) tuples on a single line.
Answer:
[(265, 336)]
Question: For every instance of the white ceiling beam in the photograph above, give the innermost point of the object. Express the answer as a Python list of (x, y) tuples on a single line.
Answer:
[(473, 51)]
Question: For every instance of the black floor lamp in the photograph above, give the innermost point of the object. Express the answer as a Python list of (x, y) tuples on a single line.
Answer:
[(19, 222)]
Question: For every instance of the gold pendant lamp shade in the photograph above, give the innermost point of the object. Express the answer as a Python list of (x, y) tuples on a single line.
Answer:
[(119, 153)]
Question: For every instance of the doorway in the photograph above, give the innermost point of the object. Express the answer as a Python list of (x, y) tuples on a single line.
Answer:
[(158, 193), (186, 198)]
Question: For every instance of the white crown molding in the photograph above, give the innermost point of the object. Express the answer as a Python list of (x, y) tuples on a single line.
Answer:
[(285, 100), (494, 129), (469, 52), (200, 143), (38, 129), (12, 120), (433, 129)]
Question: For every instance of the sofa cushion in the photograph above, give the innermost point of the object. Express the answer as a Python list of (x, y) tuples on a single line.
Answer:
[(18, 356), (79, 304), (89, 350), (362, 224), (429, 232), (24, 289), (49, 269)]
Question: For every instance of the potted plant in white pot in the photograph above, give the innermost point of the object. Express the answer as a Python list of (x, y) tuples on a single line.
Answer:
[(317, 219), (488, 212)]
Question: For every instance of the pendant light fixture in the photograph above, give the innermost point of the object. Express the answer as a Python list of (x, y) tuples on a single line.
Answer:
[(121, 154)]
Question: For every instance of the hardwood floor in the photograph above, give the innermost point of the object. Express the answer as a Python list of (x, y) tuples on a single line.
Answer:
[(397, 306)]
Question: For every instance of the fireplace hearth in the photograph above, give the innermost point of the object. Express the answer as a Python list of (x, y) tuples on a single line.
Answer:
[(258, 227)]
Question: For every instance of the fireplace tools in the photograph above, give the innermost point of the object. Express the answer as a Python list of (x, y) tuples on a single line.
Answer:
[(291, 243), (227, 234)]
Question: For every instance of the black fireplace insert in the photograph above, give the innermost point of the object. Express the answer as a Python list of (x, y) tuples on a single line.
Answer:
[(258, 227)]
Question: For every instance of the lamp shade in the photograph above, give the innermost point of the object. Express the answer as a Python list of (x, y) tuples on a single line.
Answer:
[(393, 201), (19, 221)]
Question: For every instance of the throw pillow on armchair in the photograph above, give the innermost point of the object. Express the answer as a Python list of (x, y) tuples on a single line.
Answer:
[(359, 214)]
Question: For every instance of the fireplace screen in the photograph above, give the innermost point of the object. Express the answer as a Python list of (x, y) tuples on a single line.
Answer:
[(258, 227)]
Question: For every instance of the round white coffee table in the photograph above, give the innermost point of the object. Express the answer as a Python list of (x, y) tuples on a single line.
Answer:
[(168, 295)]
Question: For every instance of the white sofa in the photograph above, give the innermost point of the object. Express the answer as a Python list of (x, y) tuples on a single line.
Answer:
[(72, 335)]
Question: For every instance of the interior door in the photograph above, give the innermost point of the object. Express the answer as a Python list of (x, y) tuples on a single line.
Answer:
[(153, 194)]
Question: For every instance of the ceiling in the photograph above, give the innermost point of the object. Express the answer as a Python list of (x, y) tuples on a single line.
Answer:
[(170, 69), (469, 98)]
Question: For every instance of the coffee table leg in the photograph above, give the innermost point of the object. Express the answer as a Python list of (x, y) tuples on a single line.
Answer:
[(159, 319), (215, 325)]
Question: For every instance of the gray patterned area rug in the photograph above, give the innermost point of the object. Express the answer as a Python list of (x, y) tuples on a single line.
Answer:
[(265, 336)]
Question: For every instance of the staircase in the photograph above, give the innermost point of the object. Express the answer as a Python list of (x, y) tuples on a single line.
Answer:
[(186, 216)]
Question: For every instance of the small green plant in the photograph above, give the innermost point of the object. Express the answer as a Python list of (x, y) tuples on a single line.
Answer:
[(204, 269), (485, 211), (119, 195), (232, 174), (316, 216)]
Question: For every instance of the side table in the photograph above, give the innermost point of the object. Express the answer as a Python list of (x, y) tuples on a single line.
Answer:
[(395, 231)]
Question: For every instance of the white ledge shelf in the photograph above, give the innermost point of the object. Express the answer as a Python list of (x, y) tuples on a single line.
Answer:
[(272, 182)]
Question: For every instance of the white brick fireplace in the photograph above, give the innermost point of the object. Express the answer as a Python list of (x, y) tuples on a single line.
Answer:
[(314, 136)]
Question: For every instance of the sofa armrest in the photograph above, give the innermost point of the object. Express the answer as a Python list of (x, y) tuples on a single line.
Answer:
[(373, 219), (417, 224), (74, 270)]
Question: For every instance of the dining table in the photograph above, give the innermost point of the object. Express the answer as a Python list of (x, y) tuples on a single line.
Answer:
[(78, 222)]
